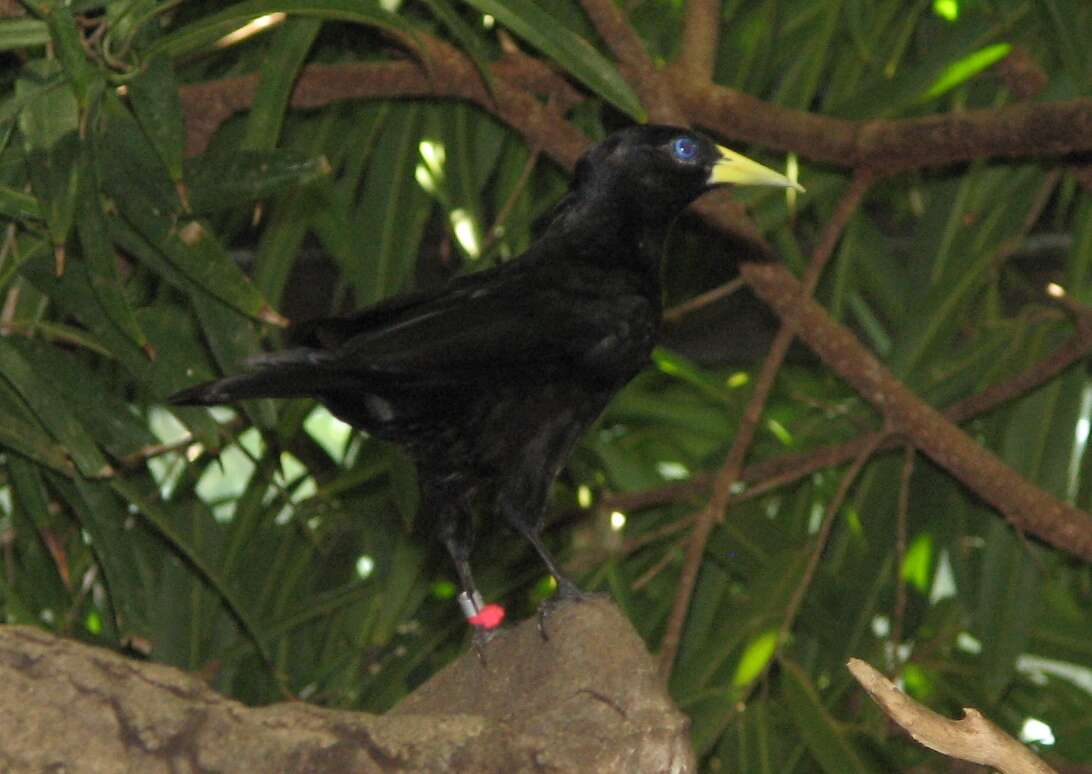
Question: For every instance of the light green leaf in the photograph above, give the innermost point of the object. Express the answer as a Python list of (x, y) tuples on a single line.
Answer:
[(22, 33), (966, 68), (756, 655)]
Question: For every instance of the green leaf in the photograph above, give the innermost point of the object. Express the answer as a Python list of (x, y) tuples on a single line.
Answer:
[(756, 655), (53, 410), (387, 223), (90, 396), (54, 175), (163, 522), (966, 68), (216, 183), (820, 732), (22, 33), (569, 51), (68, 45), (469, 39), (198, 34), (18, 205), (102, 259), (26, 439), (117, 548), (154, 97), (287, 51)]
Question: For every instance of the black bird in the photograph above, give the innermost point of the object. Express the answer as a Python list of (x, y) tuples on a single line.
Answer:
[(490, 381)]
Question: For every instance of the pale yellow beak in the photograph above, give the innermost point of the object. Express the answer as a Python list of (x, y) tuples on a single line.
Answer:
[(736, 169)]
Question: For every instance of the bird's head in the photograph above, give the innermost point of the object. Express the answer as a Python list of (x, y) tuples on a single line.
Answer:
[(660, 169)]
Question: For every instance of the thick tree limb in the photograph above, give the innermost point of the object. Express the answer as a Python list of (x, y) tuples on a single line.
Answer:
[(698, 45), (1024, 129), (1028, 129), (972, 738), (634, 62)]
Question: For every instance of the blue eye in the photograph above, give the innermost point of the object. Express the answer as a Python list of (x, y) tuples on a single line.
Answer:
[(684, 148)]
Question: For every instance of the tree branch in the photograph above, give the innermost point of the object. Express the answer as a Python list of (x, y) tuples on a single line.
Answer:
[(787, 468), (698, 46), (1024, 129), (714, 510), (1028, 507), (634, 62), (972, 738)]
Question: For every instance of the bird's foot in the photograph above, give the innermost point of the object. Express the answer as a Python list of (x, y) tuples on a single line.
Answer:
[(567, 591), (486, 620), (483, 636)]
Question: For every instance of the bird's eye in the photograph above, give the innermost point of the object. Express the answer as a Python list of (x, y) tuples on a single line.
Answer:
[(684, 148)]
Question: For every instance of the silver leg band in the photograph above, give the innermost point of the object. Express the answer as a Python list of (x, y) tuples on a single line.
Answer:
[(470, 606)]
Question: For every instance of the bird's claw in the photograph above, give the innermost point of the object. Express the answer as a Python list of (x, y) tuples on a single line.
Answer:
[(482, 637), (567, 591)]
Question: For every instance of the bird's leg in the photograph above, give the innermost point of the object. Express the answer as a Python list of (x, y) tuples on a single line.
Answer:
[(566, 589), (484, 618)]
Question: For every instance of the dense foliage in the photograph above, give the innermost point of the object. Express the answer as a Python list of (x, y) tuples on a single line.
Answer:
[(278, 554)]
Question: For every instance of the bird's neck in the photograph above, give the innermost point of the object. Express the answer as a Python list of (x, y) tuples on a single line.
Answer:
[(612, 235)]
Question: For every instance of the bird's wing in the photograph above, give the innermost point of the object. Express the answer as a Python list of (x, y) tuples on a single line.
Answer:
[(478, 329)]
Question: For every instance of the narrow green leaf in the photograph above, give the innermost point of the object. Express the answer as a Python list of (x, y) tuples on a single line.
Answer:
[(18, 205), (24, 438), (102, 259), (388, 222), (53, 410), (41, 79), (219, 183), (756, 655), (162, 521), (194, 252), (54, 175), (1008, 586), (22, 33), (569, 51), (117, 548), (469, 39), (966, 68), (201, 33), (154, 97), (68, 46), (820, 732), (287, 51), (90, 396)]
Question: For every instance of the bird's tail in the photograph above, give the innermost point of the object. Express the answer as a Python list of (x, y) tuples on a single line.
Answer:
[(291, 373)]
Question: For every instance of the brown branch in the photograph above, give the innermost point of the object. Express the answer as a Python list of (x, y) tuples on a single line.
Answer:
[(1027, 506), (972, 738), (792, 467), (714, 511), (449, 74), (635, 64), (902, 515), (698, 44), (1023, 129), (702, 300)]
